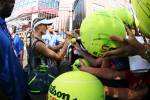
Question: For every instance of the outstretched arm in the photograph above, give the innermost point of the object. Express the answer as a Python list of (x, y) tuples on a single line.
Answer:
[(41, 48), (92, 60), (56, 48), (131, 47)]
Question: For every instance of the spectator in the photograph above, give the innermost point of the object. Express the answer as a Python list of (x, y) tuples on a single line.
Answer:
[(60, 36), (13, 84), (50, 38), (18, 44)]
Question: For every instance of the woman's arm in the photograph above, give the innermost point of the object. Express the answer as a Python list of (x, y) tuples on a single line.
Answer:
[(42, 49), (56, 48)]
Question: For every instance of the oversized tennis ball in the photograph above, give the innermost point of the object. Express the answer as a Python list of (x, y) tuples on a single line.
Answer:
[(96, 30), (124, 14), (142, 11), (76, 85), (76, 64)]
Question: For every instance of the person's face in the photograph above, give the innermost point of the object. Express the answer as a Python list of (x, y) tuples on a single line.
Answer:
[(14, 29), (43, 29), (6, 8), (50, 28)]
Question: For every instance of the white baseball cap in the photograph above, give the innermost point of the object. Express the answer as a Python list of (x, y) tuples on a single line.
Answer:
[(43, 21)]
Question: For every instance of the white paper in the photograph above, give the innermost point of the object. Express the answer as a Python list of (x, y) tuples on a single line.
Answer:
[(137, 63)]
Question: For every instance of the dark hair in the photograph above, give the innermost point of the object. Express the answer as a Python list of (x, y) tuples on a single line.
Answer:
[(6, 8), (7, 1), (14, 27)]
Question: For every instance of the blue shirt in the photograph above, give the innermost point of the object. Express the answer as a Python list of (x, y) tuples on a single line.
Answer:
[(18, 44), (60, 36), (12, 78), (50, 39)]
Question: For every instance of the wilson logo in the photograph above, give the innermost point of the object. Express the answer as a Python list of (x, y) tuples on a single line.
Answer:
[(59, 94)]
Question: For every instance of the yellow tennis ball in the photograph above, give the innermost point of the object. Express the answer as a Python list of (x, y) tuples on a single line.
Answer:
[(76, 64), (76, 85), (96, 30)]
